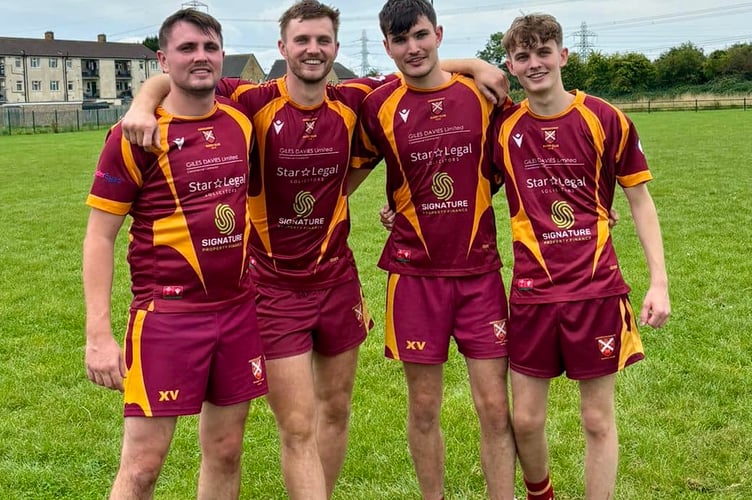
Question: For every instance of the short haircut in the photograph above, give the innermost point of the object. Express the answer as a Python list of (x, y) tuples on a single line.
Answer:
[(308, 9), (203, 21), (531, 31), (398, 16)]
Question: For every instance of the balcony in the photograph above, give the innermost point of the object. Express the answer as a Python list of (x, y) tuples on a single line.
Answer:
[(2, 70), (123, 73), (3, 97)]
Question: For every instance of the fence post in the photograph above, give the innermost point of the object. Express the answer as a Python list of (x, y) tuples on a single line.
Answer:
[(33, 122), (697, 106), (10, 125), (649, 101), (97, 110), (56, 128), (78, 121)]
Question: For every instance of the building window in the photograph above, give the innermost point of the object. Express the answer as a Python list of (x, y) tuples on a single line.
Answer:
[(70, 86), (18, 62), (53, 62), (54, 85), (36, 85), (2, 84), (19, 86), (69, 64), (34, 62), (154, 65), (141, 65)]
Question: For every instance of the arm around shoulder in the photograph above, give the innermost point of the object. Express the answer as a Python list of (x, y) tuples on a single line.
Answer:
[(139, 125)]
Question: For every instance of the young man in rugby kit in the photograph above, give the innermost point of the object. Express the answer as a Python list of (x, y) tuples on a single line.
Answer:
[(311, 312), (562, 154), (192, 343), (444, 268)]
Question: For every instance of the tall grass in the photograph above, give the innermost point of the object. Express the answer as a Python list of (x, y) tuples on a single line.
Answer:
[(684, 412)]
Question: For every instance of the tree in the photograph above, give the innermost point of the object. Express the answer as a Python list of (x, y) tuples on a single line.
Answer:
[(598, 73), (574, 74), (631, 73), (151, 42), (681, 65), (494, 51)]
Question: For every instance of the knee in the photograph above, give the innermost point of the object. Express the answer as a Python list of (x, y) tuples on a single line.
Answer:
[(335, 410), (597, 423), (493, 414), (423, 418), (528, 423), (297, 430), (223, 452), (141, 474)]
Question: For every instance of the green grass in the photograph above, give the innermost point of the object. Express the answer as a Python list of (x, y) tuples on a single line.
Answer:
[(684, 412)]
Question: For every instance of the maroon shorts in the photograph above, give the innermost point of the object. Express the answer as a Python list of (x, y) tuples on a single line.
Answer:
[(329, 321), (586, 339), (423, 313), (176, 361)]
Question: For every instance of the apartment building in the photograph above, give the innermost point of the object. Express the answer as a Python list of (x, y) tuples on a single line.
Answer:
[(46, 71)]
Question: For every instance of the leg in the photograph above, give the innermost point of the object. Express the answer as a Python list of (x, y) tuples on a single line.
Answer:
[(424, 388), (146, 441), (221, 431), (601, 441), (530, 399), (334, 378), (291, 398), (488, 383)]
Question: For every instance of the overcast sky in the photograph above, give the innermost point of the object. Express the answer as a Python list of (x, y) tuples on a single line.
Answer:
[(647, 26)]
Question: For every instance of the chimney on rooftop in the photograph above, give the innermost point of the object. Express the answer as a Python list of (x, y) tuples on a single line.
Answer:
[(49, 35), (101, 37)]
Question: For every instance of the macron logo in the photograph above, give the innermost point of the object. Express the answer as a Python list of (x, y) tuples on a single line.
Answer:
[(179, 142), (404, 114), (278, 126), (518, 139)]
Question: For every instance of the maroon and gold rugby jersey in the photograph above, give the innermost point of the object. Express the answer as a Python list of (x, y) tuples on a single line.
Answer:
[(297, 196), (433, 144), (560, 174), (189, 236)]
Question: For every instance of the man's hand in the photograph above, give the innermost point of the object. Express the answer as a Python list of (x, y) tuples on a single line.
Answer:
[(613, 218), (387, 217), (656, 307), (105, 365), (492, 82), (140, 128)]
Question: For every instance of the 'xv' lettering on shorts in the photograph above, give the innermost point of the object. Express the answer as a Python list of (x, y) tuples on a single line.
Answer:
[(586, 339), (423, 313), (329, 321), (176, 361)]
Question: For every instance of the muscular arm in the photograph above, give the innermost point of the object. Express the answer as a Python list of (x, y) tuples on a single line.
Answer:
[(104, 359), (656, 307), (139, 124), (491, 81)]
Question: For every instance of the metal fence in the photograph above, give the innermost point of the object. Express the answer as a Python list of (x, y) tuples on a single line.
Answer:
[(650, 106), (22, 120)]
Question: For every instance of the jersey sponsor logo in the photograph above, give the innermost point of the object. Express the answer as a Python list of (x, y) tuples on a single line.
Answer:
[(524, 284), (257, 368), (556, 184), (442, 186), (108, 178), (218, 186), (172, 292), (179, 142), (562, 214), (415, 345), (224, 219), (607, 346), (517, 138), (308, 172), (403, 255), (404, 114), (169, 396), (500, 330), (303, 204), (278, 126)]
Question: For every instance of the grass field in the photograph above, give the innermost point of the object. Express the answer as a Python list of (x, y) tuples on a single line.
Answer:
[(685, 413)]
